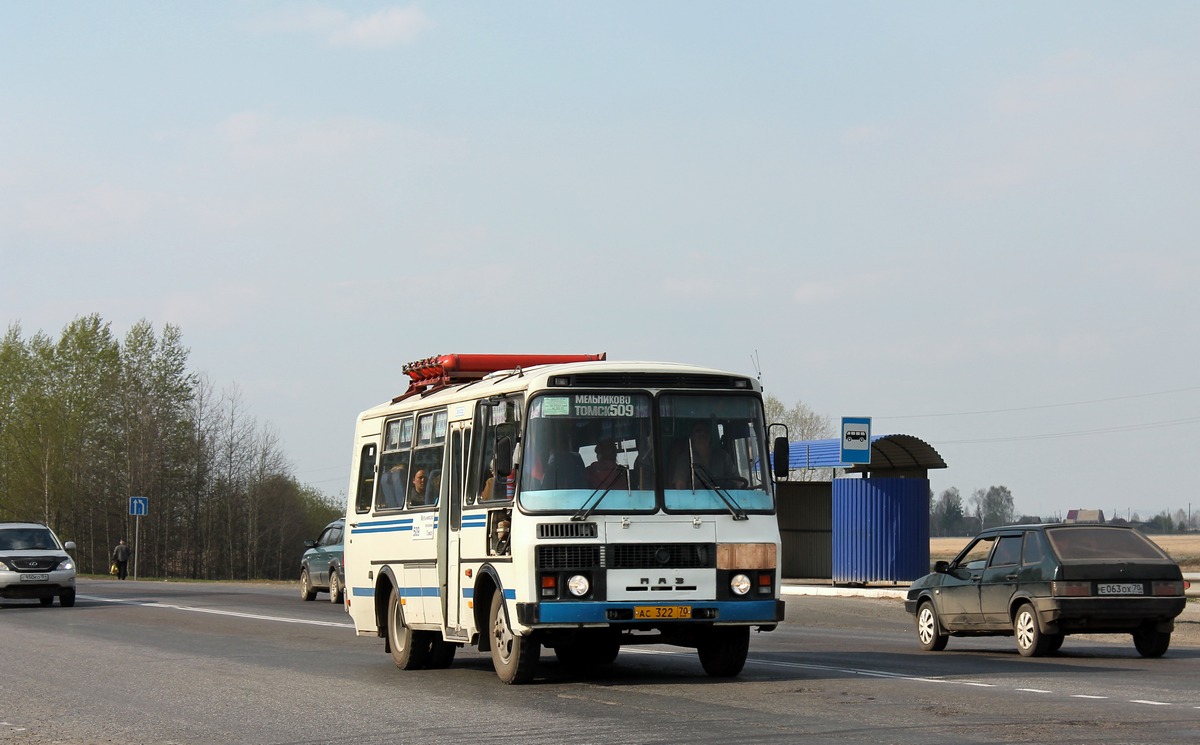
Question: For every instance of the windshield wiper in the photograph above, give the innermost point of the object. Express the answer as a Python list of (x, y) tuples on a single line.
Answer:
[(711, 483), (600, 493)]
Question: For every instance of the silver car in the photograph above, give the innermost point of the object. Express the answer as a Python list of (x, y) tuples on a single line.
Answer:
[(35, 564)]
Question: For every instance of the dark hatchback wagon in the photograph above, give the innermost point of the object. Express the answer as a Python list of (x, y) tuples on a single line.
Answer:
[(1041, 583)]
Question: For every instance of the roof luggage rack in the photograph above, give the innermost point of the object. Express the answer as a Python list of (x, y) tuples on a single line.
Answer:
[(433, 373)]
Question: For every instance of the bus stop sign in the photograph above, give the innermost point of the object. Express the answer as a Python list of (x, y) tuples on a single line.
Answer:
[(856, 439)]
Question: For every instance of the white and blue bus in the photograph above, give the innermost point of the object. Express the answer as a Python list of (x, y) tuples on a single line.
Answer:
[(520, 502)]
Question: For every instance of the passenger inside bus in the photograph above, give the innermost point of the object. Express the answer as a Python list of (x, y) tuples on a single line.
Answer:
[(605, 472), (697, 463), (434, 488), (503, 490), (416, 493), (564, 470)]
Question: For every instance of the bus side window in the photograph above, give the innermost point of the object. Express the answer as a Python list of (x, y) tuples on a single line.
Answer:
[(393, 464), (366, 479), (427, 460)]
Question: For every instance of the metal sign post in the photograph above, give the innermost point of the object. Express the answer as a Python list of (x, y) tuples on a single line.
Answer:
[(138, 506)]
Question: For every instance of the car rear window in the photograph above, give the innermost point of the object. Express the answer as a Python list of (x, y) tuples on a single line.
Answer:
[(1102, 543)]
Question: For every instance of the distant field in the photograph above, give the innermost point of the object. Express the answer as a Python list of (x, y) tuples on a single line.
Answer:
[(1184, 549)]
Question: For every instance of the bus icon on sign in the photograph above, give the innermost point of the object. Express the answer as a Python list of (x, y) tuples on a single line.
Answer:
[(856, 434)]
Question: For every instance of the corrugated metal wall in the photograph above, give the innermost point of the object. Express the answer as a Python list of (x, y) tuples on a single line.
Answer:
[(880, 530), (805, 528)]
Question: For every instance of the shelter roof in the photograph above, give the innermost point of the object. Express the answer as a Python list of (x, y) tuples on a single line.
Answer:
[(887, 452)]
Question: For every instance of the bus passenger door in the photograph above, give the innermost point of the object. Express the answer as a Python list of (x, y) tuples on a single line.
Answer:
[(449, 530)]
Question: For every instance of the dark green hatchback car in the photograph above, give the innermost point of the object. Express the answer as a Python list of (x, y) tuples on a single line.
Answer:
[(321, 565), (1041, 583)]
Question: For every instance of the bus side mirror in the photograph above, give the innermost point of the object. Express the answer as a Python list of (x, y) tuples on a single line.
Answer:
[(782, 456), (504, 455)]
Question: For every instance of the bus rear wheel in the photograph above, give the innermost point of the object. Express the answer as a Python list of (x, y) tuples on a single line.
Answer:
[(410, 649), (514, 657), (723, 650)]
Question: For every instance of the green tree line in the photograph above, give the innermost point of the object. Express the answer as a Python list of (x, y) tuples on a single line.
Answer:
[(88, 420)]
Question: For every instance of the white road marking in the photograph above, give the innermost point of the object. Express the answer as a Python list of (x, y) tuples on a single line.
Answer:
[(894, 676), (212, 611)]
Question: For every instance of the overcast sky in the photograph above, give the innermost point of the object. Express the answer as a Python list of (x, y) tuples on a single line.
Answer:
[(969, 221)]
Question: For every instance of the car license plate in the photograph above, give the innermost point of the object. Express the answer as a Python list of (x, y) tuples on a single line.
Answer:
[(652, 612), (35, 577), (1119, 588)]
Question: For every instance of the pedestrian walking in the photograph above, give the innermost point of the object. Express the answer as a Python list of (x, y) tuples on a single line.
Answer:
[(120, 557)]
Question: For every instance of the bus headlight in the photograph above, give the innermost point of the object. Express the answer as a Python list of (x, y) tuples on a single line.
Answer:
[(740, 584), (578, 585)]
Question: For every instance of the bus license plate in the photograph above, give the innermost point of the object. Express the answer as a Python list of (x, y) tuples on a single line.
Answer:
[(35, 577), (653, 612), (1118, 588)]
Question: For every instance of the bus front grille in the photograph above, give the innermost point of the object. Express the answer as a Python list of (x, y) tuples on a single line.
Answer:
[(569, 557), (629, 556), (664, 555), (566, 530)]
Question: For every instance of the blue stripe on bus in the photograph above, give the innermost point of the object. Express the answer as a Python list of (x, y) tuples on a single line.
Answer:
[(750, 611), (469, 594), (390, 529), (426, 592)]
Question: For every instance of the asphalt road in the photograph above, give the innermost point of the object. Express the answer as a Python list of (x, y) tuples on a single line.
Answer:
[(145, 662)]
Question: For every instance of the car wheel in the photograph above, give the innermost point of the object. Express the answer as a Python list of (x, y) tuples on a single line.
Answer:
[(929, 631), (1031, 642), (1151, 643), (335, 587), (306, 589), (723, 651), (410, 649), (514, 657), (66, 599), (1054, 642)]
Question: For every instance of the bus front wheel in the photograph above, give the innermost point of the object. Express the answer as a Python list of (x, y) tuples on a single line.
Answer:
[(723, 650), (514, 657), (410, 649)]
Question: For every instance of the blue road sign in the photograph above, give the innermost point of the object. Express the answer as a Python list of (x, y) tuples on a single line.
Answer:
[(139, 506), (856, 439)]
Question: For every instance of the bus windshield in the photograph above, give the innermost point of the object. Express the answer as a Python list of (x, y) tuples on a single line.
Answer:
[(597, 452), (714, 447)]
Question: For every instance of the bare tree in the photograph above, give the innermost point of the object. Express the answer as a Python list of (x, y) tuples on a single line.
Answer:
[(802, 424)]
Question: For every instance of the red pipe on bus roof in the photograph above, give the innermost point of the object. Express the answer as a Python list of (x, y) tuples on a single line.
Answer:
[(486, 363), (460, 368)]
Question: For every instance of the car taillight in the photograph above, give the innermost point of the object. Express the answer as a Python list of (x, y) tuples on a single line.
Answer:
[(1071, 589), (1168, 588)]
